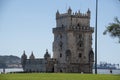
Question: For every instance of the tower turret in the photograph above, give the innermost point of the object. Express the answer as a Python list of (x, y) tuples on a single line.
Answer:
[(88, 12), (57, 13), (69, 10), (79, 12), (47, 55), (23, 59), (32, 55)]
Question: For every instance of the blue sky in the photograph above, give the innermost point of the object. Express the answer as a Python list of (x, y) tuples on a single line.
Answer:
[(27, 25)]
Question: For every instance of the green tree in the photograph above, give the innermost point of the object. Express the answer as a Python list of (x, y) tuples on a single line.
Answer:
[(113, 29)]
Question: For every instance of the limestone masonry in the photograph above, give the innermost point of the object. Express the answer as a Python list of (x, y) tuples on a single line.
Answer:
[(72, 46)]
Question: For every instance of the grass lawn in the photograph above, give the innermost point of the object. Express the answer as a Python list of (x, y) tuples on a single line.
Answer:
[(58, 76)]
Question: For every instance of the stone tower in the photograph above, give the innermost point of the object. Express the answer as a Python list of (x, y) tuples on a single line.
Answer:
[(72, 46)]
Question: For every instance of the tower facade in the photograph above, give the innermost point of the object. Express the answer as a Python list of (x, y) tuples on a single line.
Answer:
[(72, 46)]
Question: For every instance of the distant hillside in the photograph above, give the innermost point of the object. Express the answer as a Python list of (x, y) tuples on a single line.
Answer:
[(6, 61)]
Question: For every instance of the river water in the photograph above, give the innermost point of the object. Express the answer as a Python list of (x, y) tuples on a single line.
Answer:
[(100, 71)]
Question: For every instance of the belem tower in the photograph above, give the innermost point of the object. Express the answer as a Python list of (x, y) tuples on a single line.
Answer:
[(72, 46)]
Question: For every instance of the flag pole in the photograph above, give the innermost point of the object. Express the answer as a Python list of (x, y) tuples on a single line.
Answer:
[(96, 37)]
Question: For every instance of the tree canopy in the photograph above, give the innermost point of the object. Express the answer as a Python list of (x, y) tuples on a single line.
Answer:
[(113, 29)]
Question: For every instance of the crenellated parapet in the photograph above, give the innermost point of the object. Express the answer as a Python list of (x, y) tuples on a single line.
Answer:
[(81, 28), (74, 14), (58, 29), (73, 18), (74, 28)]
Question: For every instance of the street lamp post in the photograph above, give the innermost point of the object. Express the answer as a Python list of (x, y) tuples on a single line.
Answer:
[(96, 37)]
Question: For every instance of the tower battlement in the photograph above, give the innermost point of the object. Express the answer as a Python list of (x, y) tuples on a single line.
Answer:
[(74, 28), (74, 14), (72, 18)]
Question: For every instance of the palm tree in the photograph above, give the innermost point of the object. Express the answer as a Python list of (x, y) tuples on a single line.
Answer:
[(113, 29)]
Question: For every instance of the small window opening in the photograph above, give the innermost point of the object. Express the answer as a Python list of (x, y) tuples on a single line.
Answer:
[(80, 55), (60, 55)]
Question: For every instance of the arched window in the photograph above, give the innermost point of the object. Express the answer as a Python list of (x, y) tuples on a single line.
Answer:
[(80, 55), (62, 25), (80, 36), (78, 24), (60, 55), (91, 56), (61, 36), (80, 44), (61, 45), (68, 55)]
